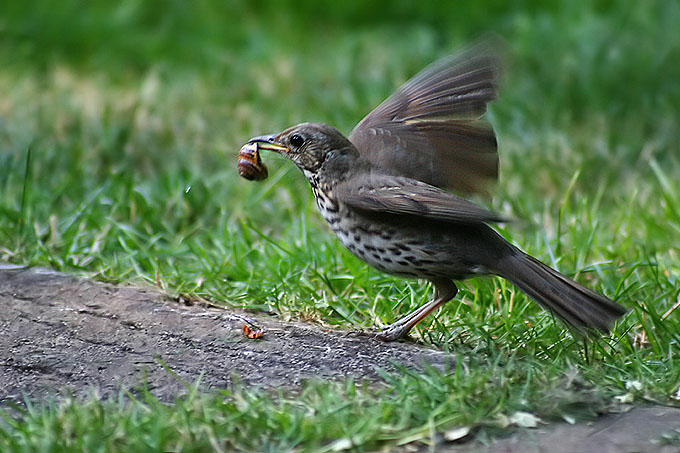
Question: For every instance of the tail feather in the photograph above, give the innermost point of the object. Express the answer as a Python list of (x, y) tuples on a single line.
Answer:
[(579, 306)]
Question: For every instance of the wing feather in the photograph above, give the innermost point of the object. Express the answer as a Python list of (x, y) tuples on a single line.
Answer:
[(430, 128), (385, 195)]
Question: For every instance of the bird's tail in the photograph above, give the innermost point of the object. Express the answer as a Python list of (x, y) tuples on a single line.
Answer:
[(574, 303)]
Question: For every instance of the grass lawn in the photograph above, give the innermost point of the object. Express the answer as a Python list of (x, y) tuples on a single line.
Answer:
[(119, 128)]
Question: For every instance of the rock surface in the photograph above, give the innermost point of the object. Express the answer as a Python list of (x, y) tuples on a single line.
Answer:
[(64, 333)]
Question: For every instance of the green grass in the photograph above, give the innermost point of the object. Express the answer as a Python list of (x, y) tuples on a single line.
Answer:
[(322, 417), (119, 128)]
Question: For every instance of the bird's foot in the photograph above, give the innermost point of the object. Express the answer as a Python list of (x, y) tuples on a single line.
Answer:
[(365, 332), (393, 332)]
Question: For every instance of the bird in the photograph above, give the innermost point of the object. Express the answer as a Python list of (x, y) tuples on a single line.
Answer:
[(394, 191)]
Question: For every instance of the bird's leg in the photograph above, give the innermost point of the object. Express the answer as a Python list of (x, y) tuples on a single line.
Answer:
[(444, 291)]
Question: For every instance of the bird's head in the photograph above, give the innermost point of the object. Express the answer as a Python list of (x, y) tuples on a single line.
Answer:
[(311, 146)]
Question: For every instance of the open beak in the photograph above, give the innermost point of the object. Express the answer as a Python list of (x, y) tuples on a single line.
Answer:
[(269, 143)]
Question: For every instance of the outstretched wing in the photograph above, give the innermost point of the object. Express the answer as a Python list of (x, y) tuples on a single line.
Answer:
[(385, 195), (429, 130)]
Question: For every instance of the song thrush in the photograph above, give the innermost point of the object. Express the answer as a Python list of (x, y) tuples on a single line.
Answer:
[(381, 191)]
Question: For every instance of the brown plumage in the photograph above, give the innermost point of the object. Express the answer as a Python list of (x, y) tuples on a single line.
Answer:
[(381, 191), (430, 130)]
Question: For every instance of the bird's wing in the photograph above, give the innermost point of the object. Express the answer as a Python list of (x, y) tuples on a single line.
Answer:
[(430, 130), (384, 195)]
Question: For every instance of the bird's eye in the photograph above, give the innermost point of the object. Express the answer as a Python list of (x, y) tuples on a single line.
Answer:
[(296, 140)]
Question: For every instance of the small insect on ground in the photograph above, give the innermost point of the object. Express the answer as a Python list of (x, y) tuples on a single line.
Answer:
[(250, 165), (252, 331)]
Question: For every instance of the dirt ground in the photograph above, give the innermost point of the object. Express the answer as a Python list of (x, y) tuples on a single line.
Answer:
[(66, 334)]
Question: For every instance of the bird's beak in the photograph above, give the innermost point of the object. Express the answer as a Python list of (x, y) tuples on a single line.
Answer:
[(269, 143)]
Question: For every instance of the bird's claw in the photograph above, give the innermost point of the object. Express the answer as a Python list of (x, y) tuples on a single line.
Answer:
[(392, 332)]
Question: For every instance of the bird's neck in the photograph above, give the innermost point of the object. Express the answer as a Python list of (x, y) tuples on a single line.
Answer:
[(324, 195), (336, 168), (321, 185)]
